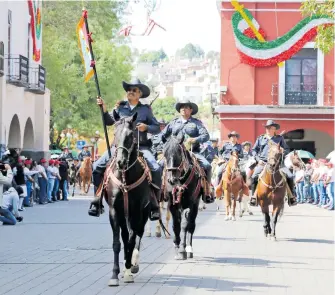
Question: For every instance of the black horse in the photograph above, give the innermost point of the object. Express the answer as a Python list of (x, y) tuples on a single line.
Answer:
[(126, 188), (182, 187)]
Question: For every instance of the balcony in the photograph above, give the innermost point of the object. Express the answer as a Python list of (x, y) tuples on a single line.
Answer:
[(37, 79), (18, 70), (301, 95)]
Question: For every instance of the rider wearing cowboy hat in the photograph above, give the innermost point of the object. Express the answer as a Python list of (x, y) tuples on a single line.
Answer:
[(261, 150), (229, 147), (145, 123), (246, 149), (194, 131), (157, 144), (66, 154)]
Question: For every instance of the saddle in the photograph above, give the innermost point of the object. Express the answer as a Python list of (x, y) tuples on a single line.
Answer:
[(201, 172)]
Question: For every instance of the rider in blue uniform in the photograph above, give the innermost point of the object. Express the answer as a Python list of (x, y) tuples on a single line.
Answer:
[(82, 155), (66, 154), (156, 140), (246, 146), (215, 146), (260, 151), (208, 152), (145, 123), (229, 147), (195, 134)]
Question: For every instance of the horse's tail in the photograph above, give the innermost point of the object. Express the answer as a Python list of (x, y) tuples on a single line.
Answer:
[(165, 231)]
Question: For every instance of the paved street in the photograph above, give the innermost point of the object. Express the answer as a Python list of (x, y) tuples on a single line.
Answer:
[(59, 249)]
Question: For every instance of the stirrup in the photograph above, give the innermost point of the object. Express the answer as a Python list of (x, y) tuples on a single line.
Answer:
[(94, 210), (292, 202), (253, 202), (154, 215)]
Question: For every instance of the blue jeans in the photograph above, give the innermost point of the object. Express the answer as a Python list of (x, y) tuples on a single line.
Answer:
[(51, 183), (64, 190), (307, 193), (330, 193), (55, 189), (315, 193), (322, 193), (26, 200), (7, 217), (300, 192), (43, 183)]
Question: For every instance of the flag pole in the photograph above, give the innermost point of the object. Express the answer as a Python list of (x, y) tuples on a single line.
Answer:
[(90, 40)]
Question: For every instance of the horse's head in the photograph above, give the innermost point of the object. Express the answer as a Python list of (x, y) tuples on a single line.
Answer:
[(124, 141), (87, 161), (296, 161), (233, 160), (275, 155), (174, 155)]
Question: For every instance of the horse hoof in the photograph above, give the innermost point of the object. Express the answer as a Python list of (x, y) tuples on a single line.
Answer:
[(242, 211), (135, 269), (250, 213), (181, 256), (217, 208), (227, 218), (241, 214), (189, 255), (158, 234), (135, 258), (204, 207), (113, 283), (233, 218), (128, 277)]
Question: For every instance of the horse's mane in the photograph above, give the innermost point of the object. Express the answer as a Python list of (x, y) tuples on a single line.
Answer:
[(172, 146)]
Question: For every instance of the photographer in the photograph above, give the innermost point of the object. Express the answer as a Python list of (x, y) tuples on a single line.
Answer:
[(9, 200)]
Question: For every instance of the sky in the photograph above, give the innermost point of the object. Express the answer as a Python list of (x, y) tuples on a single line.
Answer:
[(185, 21)]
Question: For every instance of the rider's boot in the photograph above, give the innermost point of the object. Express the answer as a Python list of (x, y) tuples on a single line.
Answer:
[(210, 196), (253, 199), (155, 212), (292, 200), (96, 207)]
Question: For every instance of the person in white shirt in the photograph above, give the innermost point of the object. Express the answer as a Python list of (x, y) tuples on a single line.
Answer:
[(329, 183), (42, 181), (321, 186), (299, 184), (9, 212), (57, 180), (51, 179), (315, 181)]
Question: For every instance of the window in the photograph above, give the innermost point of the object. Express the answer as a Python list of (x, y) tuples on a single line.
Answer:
[(301, 78)]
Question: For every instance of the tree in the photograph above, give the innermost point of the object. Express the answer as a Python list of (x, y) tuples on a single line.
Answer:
[(191, 51), (72, 100), (165, 109), (153, 56), (213, 55), (325, 37)]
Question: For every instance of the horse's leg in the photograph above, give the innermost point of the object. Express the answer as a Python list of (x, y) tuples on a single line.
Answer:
[(158, 232), (128, 276), (148, 229), (114, 222), (176, 220), (234, 206), (184, 222), (267, 227), (227, 197), (275, 214), (190, 230), (167, 219)]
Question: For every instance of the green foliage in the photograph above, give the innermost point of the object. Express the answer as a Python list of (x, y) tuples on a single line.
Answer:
[(325, 37), (153, 56), (164, 109), (73, 100), (191, 51), (213, 55)]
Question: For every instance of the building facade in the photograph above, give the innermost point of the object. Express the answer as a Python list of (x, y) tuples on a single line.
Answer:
[(24, 100), (297, 93)]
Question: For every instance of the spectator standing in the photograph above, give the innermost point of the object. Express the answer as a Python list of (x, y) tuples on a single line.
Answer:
[(329, 183), (307, 183), (55, 194), (314, 181), (43, 181), (322, 178), (63, 172), (20, 180), (51, 179), (299, 184)]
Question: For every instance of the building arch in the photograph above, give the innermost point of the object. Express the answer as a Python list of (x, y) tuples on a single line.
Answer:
[(28, 136), (14, 136)]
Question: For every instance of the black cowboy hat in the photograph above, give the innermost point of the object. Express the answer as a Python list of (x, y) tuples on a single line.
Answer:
[(214, 140), (184, 102), (233, 133), (272, 123), (135, 82), (246, 142)]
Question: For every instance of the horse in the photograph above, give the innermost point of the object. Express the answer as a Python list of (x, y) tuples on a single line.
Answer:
[(126, 189), (182, 187), (85, 175), (233, 186), (271, 189), (158, 228)]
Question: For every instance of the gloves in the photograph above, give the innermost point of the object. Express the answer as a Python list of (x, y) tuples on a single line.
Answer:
[(19, 218)]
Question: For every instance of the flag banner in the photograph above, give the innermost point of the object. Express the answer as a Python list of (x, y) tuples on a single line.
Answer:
[(85, 53)]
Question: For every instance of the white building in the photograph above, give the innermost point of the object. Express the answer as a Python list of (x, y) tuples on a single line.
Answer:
[(189, 90), (24, 100)]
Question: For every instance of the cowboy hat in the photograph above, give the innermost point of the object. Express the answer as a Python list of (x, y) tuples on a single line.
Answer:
[(233, 133), (184, 102), (135, 82), (214, 140), (246, 142), (272, 123), (162, 122)]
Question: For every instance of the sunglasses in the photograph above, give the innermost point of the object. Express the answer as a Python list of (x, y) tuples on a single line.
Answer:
[(133, 90)]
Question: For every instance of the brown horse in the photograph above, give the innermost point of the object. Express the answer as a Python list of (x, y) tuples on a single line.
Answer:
[(271, 189), (85, 173), (232, 184)]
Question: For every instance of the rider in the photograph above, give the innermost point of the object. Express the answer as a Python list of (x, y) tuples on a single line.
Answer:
[(196, 133), (66, 154), (145, 123), (215, 146), (246, 150), (260, 150), (157, 143), (82, 155), (208, 152), (227, 149)]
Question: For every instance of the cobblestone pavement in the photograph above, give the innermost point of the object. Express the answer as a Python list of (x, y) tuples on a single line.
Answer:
[(59, 249)]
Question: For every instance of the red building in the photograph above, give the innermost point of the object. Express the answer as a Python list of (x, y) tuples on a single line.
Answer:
[(298, 93)]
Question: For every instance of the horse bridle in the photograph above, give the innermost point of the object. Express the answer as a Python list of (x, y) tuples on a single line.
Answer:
[(183, 167)]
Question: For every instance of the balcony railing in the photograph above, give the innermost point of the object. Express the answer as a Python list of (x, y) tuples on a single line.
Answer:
[(299, 94), (37, 79), (18, 70)]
